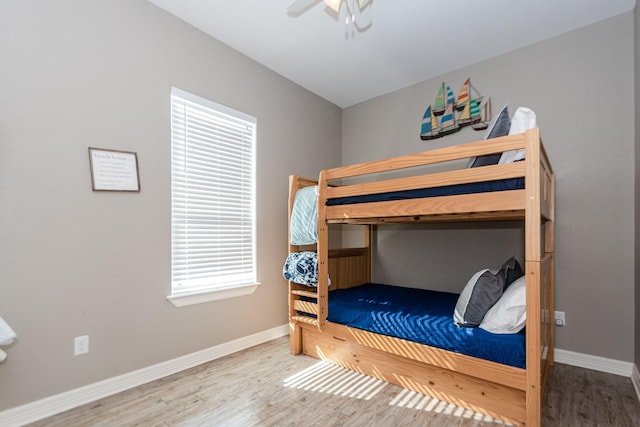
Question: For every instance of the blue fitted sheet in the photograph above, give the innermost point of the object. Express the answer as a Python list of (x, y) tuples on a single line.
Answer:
[(447, 190), (422, 316)]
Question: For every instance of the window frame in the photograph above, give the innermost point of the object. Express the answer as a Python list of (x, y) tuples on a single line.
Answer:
[(181, 295)]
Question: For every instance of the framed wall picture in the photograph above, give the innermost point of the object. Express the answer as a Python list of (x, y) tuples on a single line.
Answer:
[(113, 170)]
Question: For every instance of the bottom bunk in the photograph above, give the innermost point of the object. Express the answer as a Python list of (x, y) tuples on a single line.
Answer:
[(488, 373), (423, 316)]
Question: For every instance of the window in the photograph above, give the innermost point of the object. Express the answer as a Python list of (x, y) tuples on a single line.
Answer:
[(213, 241)]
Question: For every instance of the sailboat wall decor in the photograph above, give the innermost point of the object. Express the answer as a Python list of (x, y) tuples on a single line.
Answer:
[(449, 124), (472, 112), (443, 98), (430, 128), (485, 116), (464, 96), (440, 104)]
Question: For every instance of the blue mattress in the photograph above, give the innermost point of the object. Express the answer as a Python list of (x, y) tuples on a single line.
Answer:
[(422, 316), (447, 190)]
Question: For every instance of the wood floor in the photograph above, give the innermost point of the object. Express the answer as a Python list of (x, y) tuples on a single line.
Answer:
[(266, 386)]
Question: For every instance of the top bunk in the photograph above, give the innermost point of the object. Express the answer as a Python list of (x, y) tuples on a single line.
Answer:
[(360, 193)]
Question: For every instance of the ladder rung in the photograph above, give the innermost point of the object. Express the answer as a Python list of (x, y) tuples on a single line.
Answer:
[(305, 294), (305, 319)]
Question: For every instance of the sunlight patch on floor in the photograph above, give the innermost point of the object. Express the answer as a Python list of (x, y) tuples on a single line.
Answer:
[(326, 377), (411, 399)]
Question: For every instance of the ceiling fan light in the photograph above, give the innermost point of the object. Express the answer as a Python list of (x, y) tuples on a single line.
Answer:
[(334, 4)]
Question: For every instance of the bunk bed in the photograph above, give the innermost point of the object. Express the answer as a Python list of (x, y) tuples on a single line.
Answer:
[(345, 196)]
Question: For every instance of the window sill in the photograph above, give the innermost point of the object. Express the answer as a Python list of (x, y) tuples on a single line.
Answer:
[(214, 295)]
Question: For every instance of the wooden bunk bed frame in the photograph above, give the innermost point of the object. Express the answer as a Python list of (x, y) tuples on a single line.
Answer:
[(501, 391)]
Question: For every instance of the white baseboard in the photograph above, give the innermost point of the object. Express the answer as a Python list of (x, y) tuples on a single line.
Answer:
[(596, 363), (52, 405), (635, 379)]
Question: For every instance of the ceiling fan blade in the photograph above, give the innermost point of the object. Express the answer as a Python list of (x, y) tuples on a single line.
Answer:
[(334, 4), (364, 19), (363, 3), (300, 6)]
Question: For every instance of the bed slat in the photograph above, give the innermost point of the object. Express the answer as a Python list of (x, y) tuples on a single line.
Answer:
[(511, 200), (463, 176), (306, 307), (305, 293), (462, 151), (305, 319)]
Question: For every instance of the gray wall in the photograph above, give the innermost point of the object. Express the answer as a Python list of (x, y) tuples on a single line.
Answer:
[(77, 73), (579, 85)]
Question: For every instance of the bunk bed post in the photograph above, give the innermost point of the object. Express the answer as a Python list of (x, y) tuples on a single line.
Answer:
[(295, 332), (532, 194), (323, 252), (533, 358), (367, 245), (533, 231)]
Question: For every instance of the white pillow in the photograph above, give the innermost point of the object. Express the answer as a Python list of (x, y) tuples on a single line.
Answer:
[(509, 314), (523, 119)]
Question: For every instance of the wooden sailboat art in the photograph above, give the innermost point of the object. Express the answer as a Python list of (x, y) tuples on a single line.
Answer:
[(443, 98), (430, 128), (448, 123), (451, 99), (465, 95), (485, 116), (470, 113), (449, 114), (439, 105)]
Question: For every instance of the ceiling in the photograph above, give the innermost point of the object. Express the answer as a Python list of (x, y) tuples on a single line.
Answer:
[(410, 40)]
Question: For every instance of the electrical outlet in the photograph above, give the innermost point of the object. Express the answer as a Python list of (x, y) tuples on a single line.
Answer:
[(81, 345), (559, 318)]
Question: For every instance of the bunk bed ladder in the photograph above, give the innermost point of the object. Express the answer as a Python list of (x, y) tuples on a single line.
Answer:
[(303, 302), (302, 308)]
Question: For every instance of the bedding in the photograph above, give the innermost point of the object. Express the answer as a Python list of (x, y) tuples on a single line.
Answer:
[(513, 269), (302, 268), (423, 316), (304, 217), (509, 314), (447, 190), (483, 290), (523, 119)]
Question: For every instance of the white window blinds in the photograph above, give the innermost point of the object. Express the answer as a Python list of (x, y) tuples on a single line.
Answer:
[(212, 196)]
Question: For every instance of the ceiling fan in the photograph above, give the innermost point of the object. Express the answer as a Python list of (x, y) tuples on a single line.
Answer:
[(358, 12)]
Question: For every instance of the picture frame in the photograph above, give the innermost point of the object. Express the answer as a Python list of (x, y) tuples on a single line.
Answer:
[(114, 170)]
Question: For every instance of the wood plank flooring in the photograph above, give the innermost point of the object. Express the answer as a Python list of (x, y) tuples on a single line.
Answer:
[(266, 386)]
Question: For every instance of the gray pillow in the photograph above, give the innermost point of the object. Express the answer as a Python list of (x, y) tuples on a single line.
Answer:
[(483, 290), (498, 127), (512, 270), (478, 296)]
